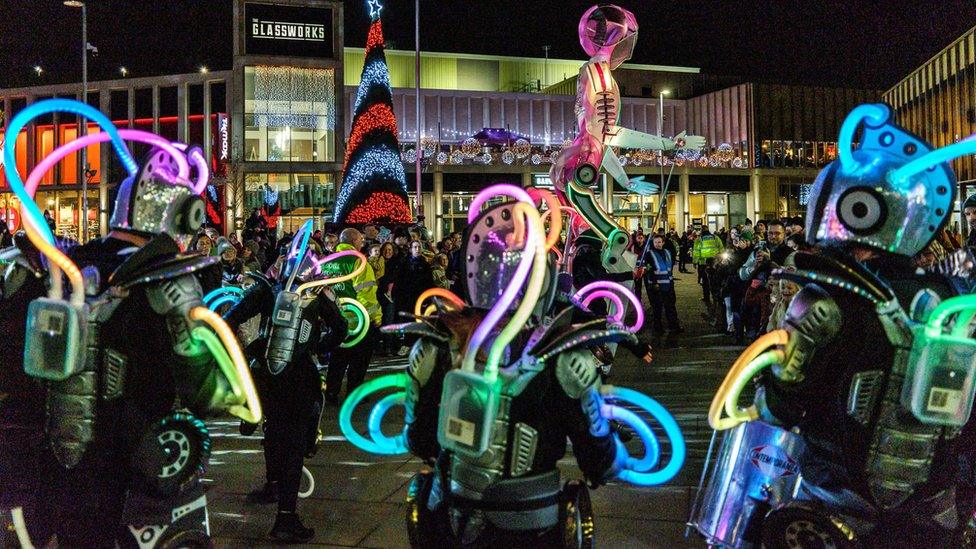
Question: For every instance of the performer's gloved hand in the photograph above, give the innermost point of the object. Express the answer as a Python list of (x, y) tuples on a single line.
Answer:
[(639, 273), (639, 186), (693, 142)]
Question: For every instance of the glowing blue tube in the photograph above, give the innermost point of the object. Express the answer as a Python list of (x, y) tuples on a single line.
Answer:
[(229, 298), (933, 158), (390, 381), (876, 114), (46, 107), (221, 291), (397, 444), (652, 450), (662, 416), (296, 252)]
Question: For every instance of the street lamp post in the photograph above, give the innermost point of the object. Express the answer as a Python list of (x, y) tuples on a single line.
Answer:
[(416, 75), (660, 133), (82, 123)]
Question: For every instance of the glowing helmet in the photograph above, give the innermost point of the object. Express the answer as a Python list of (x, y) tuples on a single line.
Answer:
[(157, 200), (610, 31), (893, 193), (491, 259)]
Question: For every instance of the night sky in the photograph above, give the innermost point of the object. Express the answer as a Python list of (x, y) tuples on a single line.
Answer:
[(852, 43)]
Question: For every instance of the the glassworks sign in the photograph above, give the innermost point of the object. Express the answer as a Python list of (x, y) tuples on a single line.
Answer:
[(289, 31)]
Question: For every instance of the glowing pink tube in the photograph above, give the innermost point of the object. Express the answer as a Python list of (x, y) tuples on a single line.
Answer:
[(518, 278), (618, 313), (504, 189), (618, 288), (203, 169), (138, 136)]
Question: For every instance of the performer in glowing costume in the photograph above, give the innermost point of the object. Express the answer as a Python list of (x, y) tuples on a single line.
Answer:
[(497, 384), (301, 320), (873, 369), (608, 34), (130, 340)]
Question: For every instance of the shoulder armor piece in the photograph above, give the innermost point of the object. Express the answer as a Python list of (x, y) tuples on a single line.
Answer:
[(577, 371), (174, 293), (160, 259), (812, 319)]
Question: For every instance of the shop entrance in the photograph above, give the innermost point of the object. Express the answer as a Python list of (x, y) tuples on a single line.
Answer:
[(717, 210)]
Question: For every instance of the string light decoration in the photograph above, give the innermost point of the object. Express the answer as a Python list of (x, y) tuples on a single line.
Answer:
[(457, 157), (508, 157), (724, 153), (429, 146), (470, 147), (522, 148), (377, 206), (442, 157), (374, 183), (537, 159)]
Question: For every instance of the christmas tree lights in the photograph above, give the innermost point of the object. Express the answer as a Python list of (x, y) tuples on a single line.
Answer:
[(374, 184)]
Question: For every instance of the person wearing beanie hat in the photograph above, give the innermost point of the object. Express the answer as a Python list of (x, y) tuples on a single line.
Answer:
[(969, 211)]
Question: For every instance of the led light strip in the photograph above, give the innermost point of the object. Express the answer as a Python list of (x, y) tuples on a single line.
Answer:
[(203, 168), (240, 374), (297, 251), (553, 214), (756, 365), (874, 114)]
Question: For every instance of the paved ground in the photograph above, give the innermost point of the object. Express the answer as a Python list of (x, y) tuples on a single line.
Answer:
[(358, 498)]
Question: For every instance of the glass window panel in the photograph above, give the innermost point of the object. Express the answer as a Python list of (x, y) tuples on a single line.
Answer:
[(289, 114)]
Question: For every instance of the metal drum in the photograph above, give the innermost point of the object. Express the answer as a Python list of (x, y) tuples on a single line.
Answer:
[(758, 468)]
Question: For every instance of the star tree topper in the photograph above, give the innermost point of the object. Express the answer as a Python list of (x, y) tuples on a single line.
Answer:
[(374, 9)]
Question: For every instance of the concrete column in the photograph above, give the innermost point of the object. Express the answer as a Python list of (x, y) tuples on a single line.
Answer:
[(753, 207), (438, 210), (182, 124), (526, 178), (681, 203), (155, 109), (31, 140)]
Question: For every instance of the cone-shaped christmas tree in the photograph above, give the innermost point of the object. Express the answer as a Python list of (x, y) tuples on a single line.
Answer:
[(374, 185)]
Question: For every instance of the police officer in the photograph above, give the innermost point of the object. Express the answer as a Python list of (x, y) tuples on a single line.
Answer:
[(659, 279)]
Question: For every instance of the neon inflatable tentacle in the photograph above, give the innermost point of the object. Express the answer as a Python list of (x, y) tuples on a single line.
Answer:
[(398, 443), (511, 292), (74, 146), (771, 339), (251, 410), (518, 193), (667, 422), (619, 289), (536, 250), (652, 449), (223, 300), (876, 114), (943, 311), (448, 295), (933, 158), (965, 318), (362, 321), (224, 362), (358, 270), (203, 169), (617, 313), (221, 292), (758, 364), (398, 381), (297, 251)]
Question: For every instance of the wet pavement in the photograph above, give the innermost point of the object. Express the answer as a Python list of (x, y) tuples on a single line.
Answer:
[(358, 500)]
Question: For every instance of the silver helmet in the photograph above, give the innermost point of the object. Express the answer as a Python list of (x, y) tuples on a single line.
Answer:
[(157, 200), (893, 193)]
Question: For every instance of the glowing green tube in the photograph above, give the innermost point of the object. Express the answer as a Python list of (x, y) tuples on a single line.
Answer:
[(398, 381), (224, 362), (362, 321), (757, 365)]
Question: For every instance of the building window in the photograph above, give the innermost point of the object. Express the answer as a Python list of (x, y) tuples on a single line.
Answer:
[(293, 197), (289, 114)]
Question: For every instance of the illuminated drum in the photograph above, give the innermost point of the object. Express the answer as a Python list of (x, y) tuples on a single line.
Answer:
[(758, 468)]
